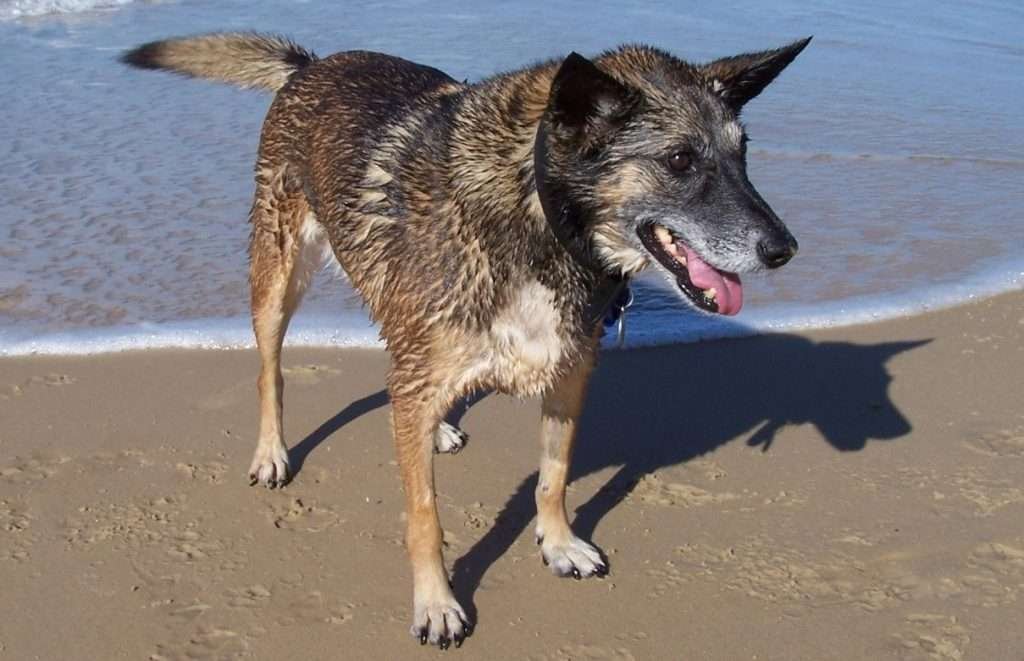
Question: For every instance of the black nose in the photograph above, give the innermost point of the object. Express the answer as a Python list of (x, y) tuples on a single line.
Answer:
[(775, 252)]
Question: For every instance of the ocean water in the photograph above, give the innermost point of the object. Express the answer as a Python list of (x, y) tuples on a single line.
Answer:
[(893, 148)]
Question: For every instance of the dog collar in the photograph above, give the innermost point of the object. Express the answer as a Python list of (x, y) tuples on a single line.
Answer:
[(615, 315), (567, 221)]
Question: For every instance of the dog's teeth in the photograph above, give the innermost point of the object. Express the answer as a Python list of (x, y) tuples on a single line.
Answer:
[(663, 235), (677, 252), (710, 294)]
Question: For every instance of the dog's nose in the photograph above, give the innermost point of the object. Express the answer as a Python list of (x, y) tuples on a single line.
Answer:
[(775, 252)]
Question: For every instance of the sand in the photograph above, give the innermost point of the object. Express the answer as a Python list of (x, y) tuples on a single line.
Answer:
[(854, 493)]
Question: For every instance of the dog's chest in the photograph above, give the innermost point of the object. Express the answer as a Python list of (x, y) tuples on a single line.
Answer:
[(526, 342)]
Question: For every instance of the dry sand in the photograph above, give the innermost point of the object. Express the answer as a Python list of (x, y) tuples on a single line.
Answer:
[(855, 493)]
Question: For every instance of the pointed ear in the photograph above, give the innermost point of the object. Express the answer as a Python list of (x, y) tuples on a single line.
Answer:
[(740, 78), (585, 99)]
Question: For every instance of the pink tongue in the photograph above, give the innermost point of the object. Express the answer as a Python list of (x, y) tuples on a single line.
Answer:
[(727, 286)]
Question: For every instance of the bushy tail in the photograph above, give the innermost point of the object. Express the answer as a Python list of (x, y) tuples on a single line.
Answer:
[(248, 60)]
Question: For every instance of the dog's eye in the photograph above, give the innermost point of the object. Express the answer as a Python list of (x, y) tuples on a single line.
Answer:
[(680, 161)]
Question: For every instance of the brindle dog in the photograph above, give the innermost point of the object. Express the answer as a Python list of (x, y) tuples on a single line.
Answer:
[(488, 226)]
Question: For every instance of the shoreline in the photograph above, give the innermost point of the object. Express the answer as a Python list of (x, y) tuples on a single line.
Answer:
[(839, 493), (656, 328)]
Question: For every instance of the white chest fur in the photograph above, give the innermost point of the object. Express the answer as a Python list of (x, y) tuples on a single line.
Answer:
[(526, 342), (520, 354)]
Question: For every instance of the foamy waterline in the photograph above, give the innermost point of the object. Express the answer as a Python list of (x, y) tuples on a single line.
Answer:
[(13, 9), (651, 329)]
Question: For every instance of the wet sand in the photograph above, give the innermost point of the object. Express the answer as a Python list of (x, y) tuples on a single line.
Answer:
[(851, 493)]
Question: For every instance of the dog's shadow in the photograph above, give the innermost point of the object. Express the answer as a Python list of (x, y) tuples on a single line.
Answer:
[(645, 412)]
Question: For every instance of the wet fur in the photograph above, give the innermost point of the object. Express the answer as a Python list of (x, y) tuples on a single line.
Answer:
[(423, 189)]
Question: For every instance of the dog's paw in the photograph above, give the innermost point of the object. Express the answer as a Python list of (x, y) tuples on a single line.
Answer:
[(440, 622), (449, 438), (574, 557), (270, 467)]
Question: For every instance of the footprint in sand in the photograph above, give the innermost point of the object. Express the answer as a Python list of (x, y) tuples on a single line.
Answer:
[(38, 467), (123, 460), (711, 469), (307, 375), (587, 652), (241, 391), (931, 636), (768, 571), (995, 574), (988, 494), (285, 605), (253, 596), (315, 606), (668, 580), (52, 380), (992, 575), (211, 471), (197, 622), (299, 515), (191, 612), (1006, 443), (14, 519), (189, 546), (477, 516), (15, 524), (136, 525), (206, 642), (651, 490), (245, 390)]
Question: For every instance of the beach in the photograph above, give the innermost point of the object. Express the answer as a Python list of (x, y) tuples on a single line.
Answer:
[(836, 473), (845, 493)]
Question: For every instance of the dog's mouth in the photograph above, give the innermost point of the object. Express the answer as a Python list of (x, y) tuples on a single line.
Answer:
[(710, 289)]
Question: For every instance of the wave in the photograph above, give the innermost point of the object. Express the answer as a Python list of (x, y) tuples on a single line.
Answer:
[(14, 9), (651, 328), (769, 154)]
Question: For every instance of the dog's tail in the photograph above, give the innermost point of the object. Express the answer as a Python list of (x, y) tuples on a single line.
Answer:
[(246, 59)]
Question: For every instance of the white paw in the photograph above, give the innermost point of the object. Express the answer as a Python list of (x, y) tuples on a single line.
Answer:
[(572, 557), (449, 438), (440, 622), (270, 466)]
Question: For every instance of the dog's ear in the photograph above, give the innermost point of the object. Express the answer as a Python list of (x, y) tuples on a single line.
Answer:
[(587, 101), (740, 78)]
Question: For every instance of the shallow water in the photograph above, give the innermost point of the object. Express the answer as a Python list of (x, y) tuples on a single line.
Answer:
[(893, 148)]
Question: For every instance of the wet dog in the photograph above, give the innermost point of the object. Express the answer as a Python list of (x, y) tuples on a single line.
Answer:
[(488, 226)]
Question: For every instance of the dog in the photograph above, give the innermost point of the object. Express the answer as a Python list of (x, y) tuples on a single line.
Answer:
[(488, 227)]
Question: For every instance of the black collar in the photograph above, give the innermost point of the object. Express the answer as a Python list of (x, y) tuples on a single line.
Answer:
[(567, 221)]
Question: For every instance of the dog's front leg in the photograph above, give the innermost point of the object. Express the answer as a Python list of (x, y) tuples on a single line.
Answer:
[(565, 553), (437, 616)]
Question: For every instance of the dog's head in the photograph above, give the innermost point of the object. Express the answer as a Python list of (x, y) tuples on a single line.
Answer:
[(650, 153)]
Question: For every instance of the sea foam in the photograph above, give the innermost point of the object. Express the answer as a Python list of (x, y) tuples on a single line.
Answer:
[(643, 329), (12, 9)]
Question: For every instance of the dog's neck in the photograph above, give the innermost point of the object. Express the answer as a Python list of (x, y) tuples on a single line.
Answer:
[(566, 218), (548, 223), (567, 221)]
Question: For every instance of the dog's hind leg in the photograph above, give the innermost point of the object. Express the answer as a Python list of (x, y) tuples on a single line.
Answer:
[(286, 248), (565, 553), (437, 616)]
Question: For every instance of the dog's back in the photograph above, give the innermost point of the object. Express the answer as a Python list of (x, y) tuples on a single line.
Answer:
[(334, 110), (330, 120)]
